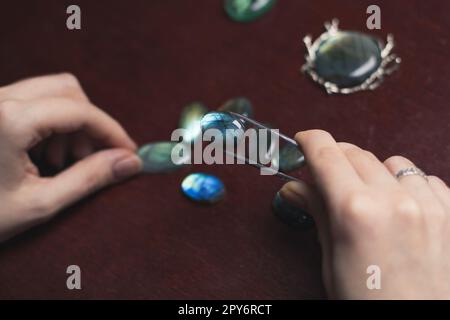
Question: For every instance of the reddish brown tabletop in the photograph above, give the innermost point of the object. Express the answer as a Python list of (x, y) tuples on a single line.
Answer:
[(142, 61)]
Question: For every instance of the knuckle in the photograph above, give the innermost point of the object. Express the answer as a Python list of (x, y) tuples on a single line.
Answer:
[(396, 160), (371, 155), (68, 79), (8, 109), (327, 154), (346, 145), (408, 210), (9, 105), (355, 217), (92, 182), (357, 207), (437, 181), (352, 151), (40, 208)]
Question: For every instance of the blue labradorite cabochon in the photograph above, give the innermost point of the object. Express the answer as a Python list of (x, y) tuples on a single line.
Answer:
[(347, 58), (247, 10), (226, 123), (203, 187), (157, 157)]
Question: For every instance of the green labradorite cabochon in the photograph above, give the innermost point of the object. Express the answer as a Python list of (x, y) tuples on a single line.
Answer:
[(190, 120), (247, 10), (290, 158), (230, 126), (347, 58), (157, 157)]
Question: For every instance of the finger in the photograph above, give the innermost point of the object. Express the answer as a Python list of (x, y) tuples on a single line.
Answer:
[(331, 169), (56, 151), (416, 185), (367, 165), (303, 196), (80, 145), (306, 197), (60, 115), (87, 176), (440, 189), (63, 84)]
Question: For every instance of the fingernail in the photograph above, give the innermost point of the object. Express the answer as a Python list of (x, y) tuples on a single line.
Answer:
[(127, 167), (292, 192)]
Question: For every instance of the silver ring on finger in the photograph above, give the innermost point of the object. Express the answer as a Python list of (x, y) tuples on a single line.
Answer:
[(412, 171)]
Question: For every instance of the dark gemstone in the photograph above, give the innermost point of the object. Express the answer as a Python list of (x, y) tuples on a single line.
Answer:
[(347, 58), (291, 215)]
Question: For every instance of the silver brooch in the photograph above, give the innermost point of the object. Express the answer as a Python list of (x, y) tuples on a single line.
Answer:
[(348, 61)]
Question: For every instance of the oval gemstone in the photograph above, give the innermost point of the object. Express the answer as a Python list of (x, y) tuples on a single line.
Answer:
[(238, 105), (190, 120), (290, 158), (290, 214), (230, 126), (347, 58), (247, 10), (203, 187), (157, 157)]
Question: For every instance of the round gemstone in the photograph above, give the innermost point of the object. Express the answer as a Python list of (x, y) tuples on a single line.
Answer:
[(230, 126), (290, 158), (238, 105), (347, 58), (247, 10), (290, 214), (157, 157), (190, 120), (203, 187)]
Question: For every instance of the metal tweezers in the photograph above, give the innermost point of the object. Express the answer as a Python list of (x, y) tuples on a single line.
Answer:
[(277, 173)]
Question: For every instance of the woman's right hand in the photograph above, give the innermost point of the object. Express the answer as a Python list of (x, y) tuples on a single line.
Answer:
[(367, 220)]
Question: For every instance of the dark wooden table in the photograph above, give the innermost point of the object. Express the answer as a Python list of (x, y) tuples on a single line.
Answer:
[(142, 61)]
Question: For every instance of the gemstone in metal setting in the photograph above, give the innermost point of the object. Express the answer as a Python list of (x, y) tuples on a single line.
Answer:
[(203, 187), (348, 61), (347, 58)]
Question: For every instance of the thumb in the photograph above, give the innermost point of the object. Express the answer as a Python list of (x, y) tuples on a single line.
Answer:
[(89, 175), (304, 197)]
